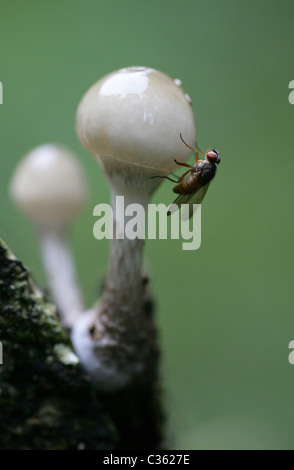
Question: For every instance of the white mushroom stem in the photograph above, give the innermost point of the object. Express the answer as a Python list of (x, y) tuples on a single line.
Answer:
[(114, 338), (125, 262), (61, 275)]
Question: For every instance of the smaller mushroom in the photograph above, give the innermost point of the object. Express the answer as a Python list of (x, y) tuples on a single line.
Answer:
[(49, 187)]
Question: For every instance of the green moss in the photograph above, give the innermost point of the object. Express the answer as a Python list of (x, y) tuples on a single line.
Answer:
[(46, 401)]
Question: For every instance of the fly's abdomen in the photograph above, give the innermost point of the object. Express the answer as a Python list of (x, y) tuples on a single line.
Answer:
[(189, 185)]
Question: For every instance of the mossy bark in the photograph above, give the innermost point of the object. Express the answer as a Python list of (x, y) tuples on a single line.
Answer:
[(46, 401), (137, 409)]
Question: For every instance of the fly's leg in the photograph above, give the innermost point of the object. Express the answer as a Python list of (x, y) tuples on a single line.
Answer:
[(196, 153), (174, 181), (183, 176), (196, 158), (183, 164), (166, 177)]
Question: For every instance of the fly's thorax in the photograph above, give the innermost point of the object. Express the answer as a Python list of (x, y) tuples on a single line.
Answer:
[(201, 164), (208, 171)]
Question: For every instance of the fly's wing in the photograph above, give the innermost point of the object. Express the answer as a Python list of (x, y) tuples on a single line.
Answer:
[(193, 198), (197, 198), (181, 199)]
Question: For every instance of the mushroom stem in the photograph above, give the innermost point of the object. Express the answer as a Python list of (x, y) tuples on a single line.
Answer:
[(125, 261), (124, 282), (61, 275), (121, 310), (115, 338)]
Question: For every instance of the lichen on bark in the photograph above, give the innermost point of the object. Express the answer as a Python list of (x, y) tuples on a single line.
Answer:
[(46, 400)]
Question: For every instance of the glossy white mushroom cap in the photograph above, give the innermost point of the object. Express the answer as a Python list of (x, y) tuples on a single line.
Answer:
[(48, 185), (131, 121)]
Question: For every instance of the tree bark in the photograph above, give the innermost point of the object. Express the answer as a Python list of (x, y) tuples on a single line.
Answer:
[(46, 400)]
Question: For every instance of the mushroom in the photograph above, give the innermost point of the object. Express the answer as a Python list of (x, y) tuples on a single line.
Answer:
[(49, 187), (130, 121)]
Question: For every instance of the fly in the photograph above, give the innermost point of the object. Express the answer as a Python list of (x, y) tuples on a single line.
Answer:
[(193, 184)]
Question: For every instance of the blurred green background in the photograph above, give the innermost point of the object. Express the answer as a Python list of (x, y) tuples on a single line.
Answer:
[(225, 312)]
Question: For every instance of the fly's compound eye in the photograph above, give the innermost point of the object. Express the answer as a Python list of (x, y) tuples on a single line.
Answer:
[(213, 156)]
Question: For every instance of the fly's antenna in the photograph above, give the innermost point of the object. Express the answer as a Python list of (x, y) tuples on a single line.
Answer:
[(202, 153), (186, 144), (191, 147)]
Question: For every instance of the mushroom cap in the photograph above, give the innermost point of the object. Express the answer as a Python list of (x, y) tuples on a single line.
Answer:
[(48, 185), (131, 121)]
